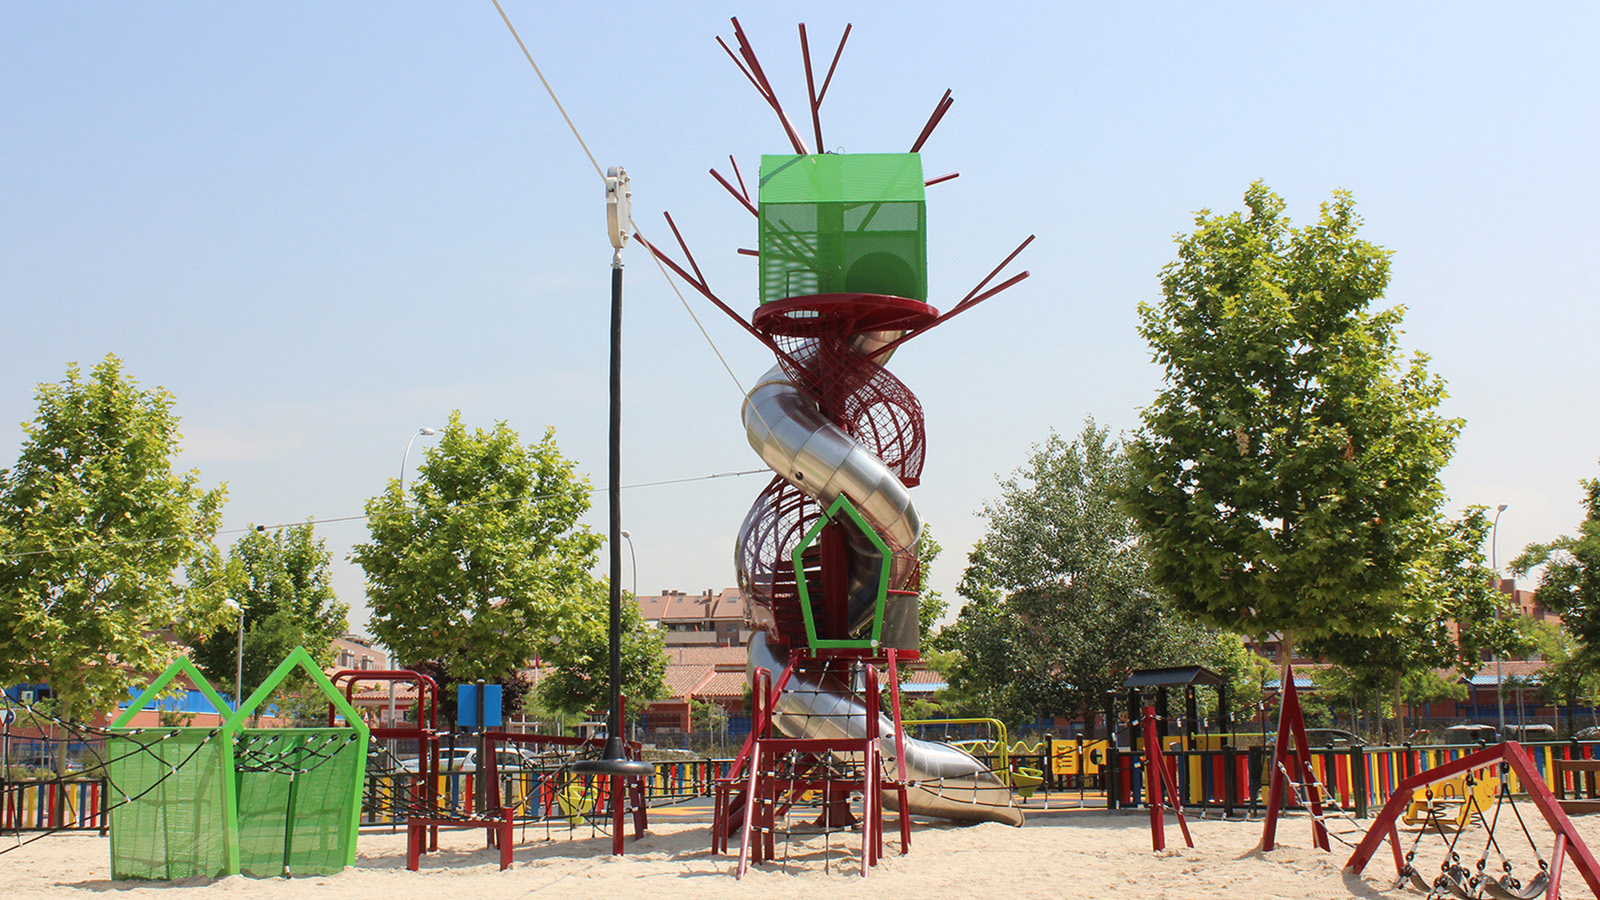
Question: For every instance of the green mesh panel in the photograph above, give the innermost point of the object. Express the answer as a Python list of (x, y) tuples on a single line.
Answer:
[(168, 820), (833, 223), (297, 790)]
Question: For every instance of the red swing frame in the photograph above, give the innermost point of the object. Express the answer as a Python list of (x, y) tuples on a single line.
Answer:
[(1568, 843)]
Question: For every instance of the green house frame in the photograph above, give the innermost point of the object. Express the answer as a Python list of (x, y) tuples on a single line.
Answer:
[(201, 801), (173, 803)]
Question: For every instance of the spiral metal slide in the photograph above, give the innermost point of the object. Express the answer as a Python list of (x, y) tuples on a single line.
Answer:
[(819, 459)]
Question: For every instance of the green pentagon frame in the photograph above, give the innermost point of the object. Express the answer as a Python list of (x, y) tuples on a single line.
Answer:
[(842, 504)]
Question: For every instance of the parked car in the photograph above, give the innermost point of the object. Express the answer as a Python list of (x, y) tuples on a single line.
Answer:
[(1471, 734), (1526, 733), (1336, 738), (1592, 733), (465, 759)]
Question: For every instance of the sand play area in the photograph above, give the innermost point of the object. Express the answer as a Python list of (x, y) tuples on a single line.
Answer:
[(1066, 854)]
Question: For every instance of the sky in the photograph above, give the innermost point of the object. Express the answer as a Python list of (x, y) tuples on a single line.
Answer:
[(324, 226)]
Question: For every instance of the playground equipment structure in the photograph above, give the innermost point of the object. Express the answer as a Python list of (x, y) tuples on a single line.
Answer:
[(232, 799), (546, 791), (827, 554), (1455, 878)]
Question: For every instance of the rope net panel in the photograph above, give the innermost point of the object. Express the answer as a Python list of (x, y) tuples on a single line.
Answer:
[(295, 799), (168, 813)]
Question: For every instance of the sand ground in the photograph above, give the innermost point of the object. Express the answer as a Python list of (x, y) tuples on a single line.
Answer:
[(1067, 854)]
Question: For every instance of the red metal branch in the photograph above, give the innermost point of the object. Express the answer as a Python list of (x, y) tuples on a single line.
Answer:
[(746, 251), (735, 163), (687, 255), (933, 121), (949, 315), (742, 198), (811, 87), (740, 63), (834, 65), (705, 291), (1003, 263), (765, 87), (941, 179)]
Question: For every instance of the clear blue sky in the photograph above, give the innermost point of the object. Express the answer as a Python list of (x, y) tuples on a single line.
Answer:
[(323, 226)]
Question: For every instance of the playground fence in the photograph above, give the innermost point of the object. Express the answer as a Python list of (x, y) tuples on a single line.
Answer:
[(1226, 779), (74, 804), (1234, 780)]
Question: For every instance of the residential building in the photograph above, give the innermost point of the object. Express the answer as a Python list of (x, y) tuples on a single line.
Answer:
[(707, 619)]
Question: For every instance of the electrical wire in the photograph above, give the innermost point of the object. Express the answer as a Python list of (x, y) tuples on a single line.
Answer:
[(533, 498), (635, 225)]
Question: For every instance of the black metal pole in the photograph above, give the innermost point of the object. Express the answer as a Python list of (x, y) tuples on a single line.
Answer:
[(614, 493), (615, 761)]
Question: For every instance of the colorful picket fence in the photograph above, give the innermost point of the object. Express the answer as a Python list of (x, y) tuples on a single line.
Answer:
[(1236, 779), (76, 804)]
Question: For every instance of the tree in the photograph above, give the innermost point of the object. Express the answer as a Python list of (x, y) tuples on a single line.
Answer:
[(1566, 679), (1058, 609), (280, 580), (1447, 622), (1570, 582), (931, 606), (581, 661), (485, 566), (1287, 476), (97, 528)]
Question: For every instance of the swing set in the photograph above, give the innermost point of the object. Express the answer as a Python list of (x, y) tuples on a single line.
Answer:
[(1456, 878)]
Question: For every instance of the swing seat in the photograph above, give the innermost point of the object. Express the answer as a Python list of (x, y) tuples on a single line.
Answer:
[(1451, 803), (1509, 888)]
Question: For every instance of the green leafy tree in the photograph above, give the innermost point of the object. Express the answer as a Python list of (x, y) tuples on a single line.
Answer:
[(1059, 608), (280, 581), (1448, 622), (98, 529), (707, 716), (485, 567), (931, 606), (581, 660), (1570, 582), (1567, 679), (1287, 476)]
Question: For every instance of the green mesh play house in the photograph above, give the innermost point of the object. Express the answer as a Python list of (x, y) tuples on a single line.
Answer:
[(171, 792), (237, 798), (843, 223), (298, 789)]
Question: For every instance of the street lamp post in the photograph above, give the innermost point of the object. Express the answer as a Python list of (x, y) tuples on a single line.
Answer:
[(424, 431), (1494, 560), (634, 565), (238, 659), (614, 762)]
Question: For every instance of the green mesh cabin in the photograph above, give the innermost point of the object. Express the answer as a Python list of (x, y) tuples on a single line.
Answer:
[(211, 802), (843, 223)]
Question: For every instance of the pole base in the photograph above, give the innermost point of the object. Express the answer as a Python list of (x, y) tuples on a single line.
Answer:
[(614, 762)]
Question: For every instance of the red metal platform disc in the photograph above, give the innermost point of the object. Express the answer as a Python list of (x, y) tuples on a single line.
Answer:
[(809, 315)]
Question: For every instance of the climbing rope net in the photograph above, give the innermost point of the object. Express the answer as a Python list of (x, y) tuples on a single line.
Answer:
[(165, 751)]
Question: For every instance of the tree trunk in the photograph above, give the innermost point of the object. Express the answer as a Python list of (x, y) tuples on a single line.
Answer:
[(1285, 651), (1399, 714)]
